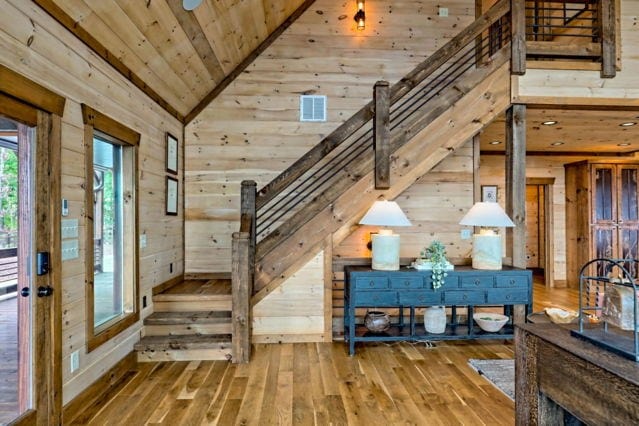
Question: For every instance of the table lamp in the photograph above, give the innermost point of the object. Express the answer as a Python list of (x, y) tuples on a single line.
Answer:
[(385, 244), (487, 246)]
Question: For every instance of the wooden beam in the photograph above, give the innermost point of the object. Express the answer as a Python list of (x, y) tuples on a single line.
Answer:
[(84, 35), (106, 124), (518, 37), (381, 134), (19, 111), (194, 32), (219, 88), (564, 50), (566, 153), (516, 190), (476, 162), (608, 18), (558, 102), (20, 87)]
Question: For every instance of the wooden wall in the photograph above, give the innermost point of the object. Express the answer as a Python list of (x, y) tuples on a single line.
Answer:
[(33, 44), (552, 84), (252, 130)]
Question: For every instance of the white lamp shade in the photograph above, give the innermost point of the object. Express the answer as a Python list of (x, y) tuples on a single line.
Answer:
[(385, 213), (487, 214), (190, 4)]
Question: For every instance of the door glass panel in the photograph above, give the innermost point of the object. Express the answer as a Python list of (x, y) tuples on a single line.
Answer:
[(629, 249), (15, 246), (603, 246), (628, 204), (603, 194)]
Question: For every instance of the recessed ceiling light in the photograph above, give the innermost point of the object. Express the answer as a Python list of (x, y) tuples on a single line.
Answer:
[(494, 142), (556, 143), (549, 122), (624, 144), (190, 4), (628, 124)]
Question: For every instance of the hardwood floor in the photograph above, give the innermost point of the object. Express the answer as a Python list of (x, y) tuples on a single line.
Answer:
[(8, 360), (318, 383)]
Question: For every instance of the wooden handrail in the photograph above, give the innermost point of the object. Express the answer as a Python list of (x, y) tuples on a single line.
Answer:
[(366, 113)]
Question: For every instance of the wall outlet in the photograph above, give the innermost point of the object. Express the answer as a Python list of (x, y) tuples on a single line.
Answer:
[(143, 241), (171, 268), (466, 234), (442, 11), (143, 302), (75, 360)]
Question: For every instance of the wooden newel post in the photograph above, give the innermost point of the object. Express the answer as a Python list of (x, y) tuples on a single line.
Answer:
[(242, 272), (518, 37), (381, 134), (608, 42)]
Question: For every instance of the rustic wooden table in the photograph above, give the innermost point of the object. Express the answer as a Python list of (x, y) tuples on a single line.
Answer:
[(556, 372)]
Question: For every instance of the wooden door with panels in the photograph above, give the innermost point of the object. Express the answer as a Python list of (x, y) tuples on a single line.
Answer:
[(36, 113)]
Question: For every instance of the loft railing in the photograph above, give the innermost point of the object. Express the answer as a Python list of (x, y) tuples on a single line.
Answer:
[(320, 176)]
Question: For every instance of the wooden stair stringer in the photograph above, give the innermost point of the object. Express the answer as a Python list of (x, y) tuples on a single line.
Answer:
[(450, 130)]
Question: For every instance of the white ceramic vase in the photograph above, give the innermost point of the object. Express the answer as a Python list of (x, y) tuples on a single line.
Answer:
[(435, 319)]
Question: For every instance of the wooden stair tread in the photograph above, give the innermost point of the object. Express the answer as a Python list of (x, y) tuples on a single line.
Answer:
[(186, 297), (174, 318), (200, 287), (183, 342)]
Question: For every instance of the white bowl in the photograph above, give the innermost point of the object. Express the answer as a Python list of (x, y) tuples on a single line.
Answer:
[(490, 322)]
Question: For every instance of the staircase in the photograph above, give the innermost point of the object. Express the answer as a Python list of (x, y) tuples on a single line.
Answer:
[(191, 321)]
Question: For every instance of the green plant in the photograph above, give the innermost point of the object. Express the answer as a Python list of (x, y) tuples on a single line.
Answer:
[(435, 253)]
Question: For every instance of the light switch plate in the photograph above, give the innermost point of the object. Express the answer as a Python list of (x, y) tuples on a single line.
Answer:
[(70, 249), (466, 234), (75, 361), (142, 241), (69, 228)]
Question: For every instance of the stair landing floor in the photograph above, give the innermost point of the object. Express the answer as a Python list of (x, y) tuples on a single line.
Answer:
[(201, 287)]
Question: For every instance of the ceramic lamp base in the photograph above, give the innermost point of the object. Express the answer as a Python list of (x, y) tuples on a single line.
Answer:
[(385, 251), (487, 251)]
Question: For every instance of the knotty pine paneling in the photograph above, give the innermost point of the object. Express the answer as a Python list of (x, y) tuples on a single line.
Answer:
[(252, 130), (555, 84), (34, 45)]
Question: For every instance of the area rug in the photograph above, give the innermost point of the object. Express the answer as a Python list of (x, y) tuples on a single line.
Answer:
[(499, 372)]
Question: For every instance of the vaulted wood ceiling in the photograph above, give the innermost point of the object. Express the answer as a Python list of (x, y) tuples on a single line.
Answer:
[(176, 56)]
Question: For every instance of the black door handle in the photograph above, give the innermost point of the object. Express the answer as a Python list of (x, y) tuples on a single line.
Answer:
[(45, 291), (25, 292)]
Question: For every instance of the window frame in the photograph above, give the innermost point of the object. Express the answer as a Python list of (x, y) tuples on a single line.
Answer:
[(103, 127)]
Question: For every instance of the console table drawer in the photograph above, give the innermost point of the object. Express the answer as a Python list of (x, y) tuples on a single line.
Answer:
[(464, 297), (407, 282), (371, 283), (420, 298), (476, 281), (508, 296), (511, 281), (376, 298)]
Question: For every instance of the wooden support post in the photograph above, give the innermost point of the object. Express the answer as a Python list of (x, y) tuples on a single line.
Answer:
[(242, 273), (381, 134), (518, 37), (607, 30), (516, 189)]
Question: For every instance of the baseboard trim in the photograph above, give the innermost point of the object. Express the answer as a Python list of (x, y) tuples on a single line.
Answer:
[(107, 385), (160, 288), (207, 276)]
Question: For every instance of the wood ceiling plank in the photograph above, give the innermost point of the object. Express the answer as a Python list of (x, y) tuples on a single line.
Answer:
[(215, 30), (164, 33), (195, 33), (83, 34), (121, 38), (276, 11)]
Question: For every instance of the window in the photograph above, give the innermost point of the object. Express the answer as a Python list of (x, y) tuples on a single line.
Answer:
[(112, 268)]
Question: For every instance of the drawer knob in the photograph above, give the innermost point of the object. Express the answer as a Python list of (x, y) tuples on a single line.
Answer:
[(406, 283), (464, 297), (476, 282), (512, 282), (372, 284), (508, 297)]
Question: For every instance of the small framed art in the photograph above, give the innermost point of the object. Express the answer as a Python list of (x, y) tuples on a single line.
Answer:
[(171, 196), (489, 193), (171, 154)]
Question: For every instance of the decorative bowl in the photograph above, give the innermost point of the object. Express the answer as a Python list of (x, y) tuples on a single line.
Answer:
[(377, 321), (490, 322), (561, 316)]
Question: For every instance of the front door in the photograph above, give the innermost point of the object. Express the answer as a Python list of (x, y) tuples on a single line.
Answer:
[(26, 307)]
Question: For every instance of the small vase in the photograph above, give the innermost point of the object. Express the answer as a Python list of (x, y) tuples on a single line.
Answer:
[(377, 321), (435, 319)]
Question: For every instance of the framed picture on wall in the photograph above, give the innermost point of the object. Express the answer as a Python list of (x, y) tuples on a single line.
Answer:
[(171, 196), (171, 154), (489, 193)]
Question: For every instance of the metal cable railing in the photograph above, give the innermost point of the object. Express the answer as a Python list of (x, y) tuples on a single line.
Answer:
[(550, 21), (342, 162)]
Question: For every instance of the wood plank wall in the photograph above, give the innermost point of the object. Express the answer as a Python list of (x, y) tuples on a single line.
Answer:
[(252, 130), (33, 44), (549, 85)]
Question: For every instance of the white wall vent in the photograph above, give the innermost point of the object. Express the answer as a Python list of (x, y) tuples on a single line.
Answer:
[(312, 108)]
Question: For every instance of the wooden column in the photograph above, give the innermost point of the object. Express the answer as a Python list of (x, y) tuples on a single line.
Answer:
[(516, 189), (381, 134), (242, 272), (607, 30), (518, 37)]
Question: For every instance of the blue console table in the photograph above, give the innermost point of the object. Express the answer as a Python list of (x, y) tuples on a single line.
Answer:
[(409, 288)]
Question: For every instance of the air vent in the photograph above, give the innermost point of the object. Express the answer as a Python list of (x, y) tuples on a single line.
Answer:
[(312, 108)]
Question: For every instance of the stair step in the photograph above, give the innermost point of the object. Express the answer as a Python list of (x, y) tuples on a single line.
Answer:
[(185, 323), (191, 302), (184, 348)]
